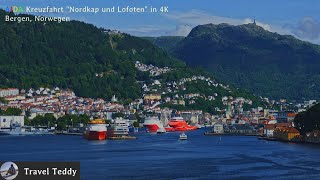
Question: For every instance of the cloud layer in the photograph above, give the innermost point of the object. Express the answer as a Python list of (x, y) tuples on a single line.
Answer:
[(307, 29)]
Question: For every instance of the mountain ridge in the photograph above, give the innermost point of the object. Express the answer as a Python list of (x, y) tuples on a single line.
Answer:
[(247, 56)]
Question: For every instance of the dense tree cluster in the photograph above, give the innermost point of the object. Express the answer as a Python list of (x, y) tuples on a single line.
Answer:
[(75, 55), (11, 112), (62, 122), (309, 120)]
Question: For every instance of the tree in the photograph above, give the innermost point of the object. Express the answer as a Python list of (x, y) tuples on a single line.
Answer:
[(46, 120), (309, 120), (12, 112), (299, 122), (2, 100), (136, 124)]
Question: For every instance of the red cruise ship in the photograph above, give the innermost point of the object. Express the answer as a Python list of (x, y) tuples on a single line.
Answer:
[(179, 124), (96, 130)]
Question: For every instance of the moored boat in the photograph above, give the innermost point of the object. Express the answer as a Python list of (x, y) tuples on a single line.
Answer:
[(17, 129), (153, 124), (179, 124), (96, 130), (118, 128)]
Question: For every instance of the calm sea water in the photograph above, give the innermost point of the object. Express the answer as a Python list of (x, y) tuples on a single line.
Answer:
[(163, 156)]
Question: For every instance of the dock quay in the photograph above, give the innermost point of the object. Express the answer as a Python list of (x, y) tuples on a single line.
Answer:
[(67, 133), (297, 141), (122, 138), (228, 134), (267, 138)]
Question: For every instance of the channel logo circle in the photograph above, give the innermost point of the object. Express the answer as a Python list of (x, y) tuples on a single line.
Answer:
[(9, 170)]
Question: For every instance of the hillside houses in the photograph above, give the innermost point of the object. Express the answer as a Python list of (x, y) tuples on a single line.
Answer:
[(153, 70)]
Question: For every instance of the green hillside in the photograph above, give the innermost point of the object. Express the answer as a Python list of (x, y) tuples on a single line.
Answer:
[(75, 55), (249, 57), (95, 63)]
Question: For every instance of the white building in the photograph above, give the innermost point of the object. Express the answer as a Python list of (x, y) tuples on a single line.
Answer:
[(6, 121), (34, 112), (9, 92), (309, 103), (269, 129), (218, 128)]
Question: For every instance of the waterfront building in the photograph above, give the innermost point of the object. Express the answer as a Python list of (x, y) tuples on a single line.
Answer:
[(218, 128), (285, 133), (7, 121), (269, 129), (240, 129)]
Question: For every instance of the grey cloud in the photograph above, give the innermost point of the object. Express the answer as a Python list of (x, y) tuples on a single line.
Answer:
[(308, 28)]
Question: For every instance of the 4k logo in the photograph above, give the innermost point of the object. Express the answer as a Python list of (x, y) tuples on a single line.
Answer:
[(164, 9)]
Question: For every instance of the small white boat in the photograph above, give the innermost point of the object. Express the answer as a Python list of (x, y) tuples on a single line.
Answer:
[(183, 136), (198, 126), (161, 130)]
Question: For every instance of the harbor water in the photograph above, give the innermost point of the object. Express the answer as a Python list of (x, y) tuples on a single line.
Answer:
[(164, 156)]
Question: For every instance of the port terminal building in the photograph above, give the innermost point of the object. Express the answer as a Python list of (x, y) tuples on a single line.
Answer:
[(7, 121)]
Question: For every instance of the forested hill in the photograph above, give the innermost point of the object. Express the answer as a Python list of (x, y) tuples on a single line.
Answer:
[(165, 42), (98, 63), (247, 56), (91, 61)]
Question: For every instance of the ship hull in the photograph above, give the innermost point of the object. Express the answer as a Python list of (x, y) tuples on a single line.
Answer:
[(180, 125), (190, 128), (169, 129), (95, 135), (152, 127)]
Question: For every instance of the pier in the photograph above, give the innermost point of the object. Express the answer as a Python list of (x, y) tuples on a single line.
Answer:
[(297, 141), (122, 138), (229, 134), (67, 133)]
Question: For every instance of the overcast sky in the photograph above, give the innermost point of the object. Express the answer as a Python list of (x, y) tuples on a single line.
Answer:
[(295, 17)]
